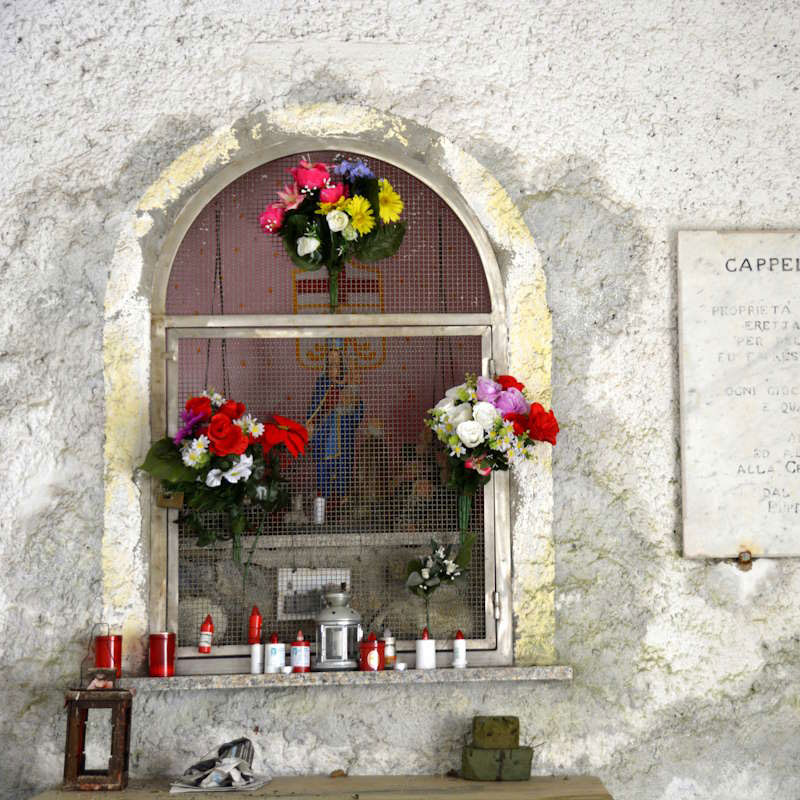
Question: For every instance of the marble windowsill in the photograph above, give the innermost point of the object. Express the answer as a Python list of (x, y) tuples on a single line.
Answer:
[(388, 678)]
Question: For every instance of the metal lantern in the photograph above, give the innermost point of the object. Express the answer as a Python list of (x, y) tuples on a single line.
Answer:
[(338, 632)]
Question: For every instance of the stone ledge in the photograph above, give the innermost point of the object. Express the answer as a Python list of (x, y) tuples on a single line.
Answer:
[(388, 678)]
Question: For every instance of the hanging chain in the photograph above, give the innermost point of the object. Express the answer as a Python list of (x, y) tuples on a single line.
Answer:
[(218, 283), (440, 345)]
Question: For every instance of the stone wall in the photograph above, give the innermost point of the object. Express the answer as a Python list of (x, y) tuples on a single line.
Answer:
[(611, 127)]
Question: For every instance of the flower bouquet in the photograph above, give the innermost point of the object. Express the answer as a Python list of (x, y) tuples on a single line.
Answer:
[(332, 212), (223, 459), (483, 425)]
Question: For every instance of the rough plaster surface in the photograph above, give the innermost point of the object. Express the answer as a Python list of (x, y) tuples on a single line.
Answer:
[(611, 126)]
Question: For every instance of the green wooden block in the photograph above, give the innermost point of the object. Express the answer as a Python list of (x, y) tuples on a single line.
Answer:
[(502, 764), (495, 732)]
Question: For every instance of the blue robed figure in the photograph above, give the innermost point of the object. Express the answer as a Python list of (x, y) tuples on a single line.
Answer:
[(333, 417)]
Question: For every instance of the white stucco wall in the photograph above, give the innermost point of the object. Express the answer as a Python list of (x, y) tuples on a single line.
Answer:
[(611, 126)]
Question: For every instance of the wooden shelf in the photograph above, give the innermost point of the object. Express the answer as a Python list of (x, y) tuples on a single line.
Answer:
[(385, 787)]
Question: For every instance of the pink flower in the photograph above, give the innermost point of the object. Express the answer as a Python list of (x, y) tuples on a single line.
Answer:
[(291, 196), (272, 218), (310, 176), (332, 193), (511, 401), (488, 390), (477, 465)]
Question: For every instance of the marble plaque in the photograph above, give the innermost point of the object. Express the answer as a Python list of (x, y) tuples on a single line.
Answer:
[(739, 322)]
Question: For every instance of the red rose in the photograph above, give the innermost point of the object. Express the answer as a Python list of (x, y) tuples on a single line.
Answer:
[(542, 425), (509, 382), (225, 437), (199, 405), (520, 421), (281, 430), (232, 410)]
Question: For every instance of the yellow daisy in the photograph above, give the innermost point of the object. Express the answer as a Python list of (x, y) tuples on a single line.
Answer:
[(360, 212), (390, 205), (324, 208)]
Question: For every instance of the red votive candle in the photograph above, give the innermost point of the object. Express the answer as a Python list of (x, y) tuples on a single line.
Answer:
[(162, 655), (372, 654), (108, 652)]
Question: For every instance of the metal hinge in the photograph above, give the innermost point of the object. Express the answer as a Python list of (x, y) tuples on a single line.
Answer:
[(490, 366), (496, 602)]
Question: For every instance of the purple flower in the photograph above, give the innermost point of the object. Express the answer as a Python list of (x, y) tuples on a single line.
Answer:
[(353, 169), (188, 421), (488, 390), (511, 401)]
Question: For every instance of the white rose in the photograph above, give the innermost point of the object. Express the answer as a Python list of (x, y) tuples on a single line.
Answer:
[(307, 245), (350, 233), (337, 220), (460, 413), (214, 478), (454, 391), (470, 433), (240, 470), (486, 414), (446, 405)]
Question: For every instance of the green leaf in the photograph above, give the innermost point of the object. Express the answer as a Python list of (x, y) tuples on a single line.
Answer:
[(414, 580), (383, 242), (464, 556), (293, 228), (369, 188), (164, 461), (205, 537)]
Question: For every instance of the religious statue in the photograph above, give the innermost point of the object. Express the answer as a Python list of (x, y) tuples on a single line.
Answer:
[(333, 419)]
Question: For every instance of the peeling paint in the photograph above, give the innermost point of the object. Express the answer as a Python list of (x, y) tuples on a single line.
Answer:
[(332, 119), (188, 167), (143, 224)]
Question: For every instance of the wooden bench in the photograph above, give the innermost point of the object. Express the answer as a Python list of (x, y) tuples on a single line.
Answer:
[(378, 787)]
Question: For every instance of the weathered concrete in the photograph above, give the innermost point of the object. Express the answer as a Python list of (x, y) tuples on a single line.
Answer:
[(610, 127)]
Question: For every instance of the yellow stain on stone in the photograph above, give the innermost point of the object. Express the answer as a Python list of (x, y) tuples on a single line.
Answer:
[(188, 167), (255, 133), (142, 224), (332, 119), (124, 410), (531, 339), (501, 218), (530, 359)]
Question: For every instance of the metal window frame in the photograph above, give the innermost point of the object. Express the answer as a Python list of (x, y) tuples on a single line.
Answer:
[(234, 657), (163, 556)]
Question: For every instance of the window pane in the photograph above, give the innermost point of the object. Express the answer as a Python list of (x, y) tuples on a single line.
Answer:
[(372, 460), (436, 270)]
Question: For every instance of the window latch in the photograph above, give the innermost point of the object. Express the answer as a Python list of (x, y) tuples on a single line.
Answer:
[(496, 603)]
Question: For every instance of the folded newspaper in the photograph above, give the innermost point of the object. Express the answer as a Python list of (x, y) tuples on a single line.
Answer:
[(229, 768)]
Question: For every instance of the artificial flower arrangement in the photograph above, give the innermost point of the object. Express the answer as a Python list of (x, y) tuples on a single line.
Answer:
[(483, 425), (332, 212), (223, 459)]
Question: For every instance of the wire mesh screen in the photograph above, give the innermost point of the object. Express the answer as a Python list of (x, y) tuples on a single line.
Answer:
[(370, 457), (436, 270)]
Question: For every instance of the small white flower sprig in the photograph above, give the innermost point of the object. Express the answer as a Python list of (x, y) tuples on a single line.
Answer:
[(441, 568)]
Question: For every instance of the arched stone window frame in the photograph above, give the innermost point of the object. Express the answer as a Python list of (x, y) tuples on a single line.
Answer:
[(135, 577)]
